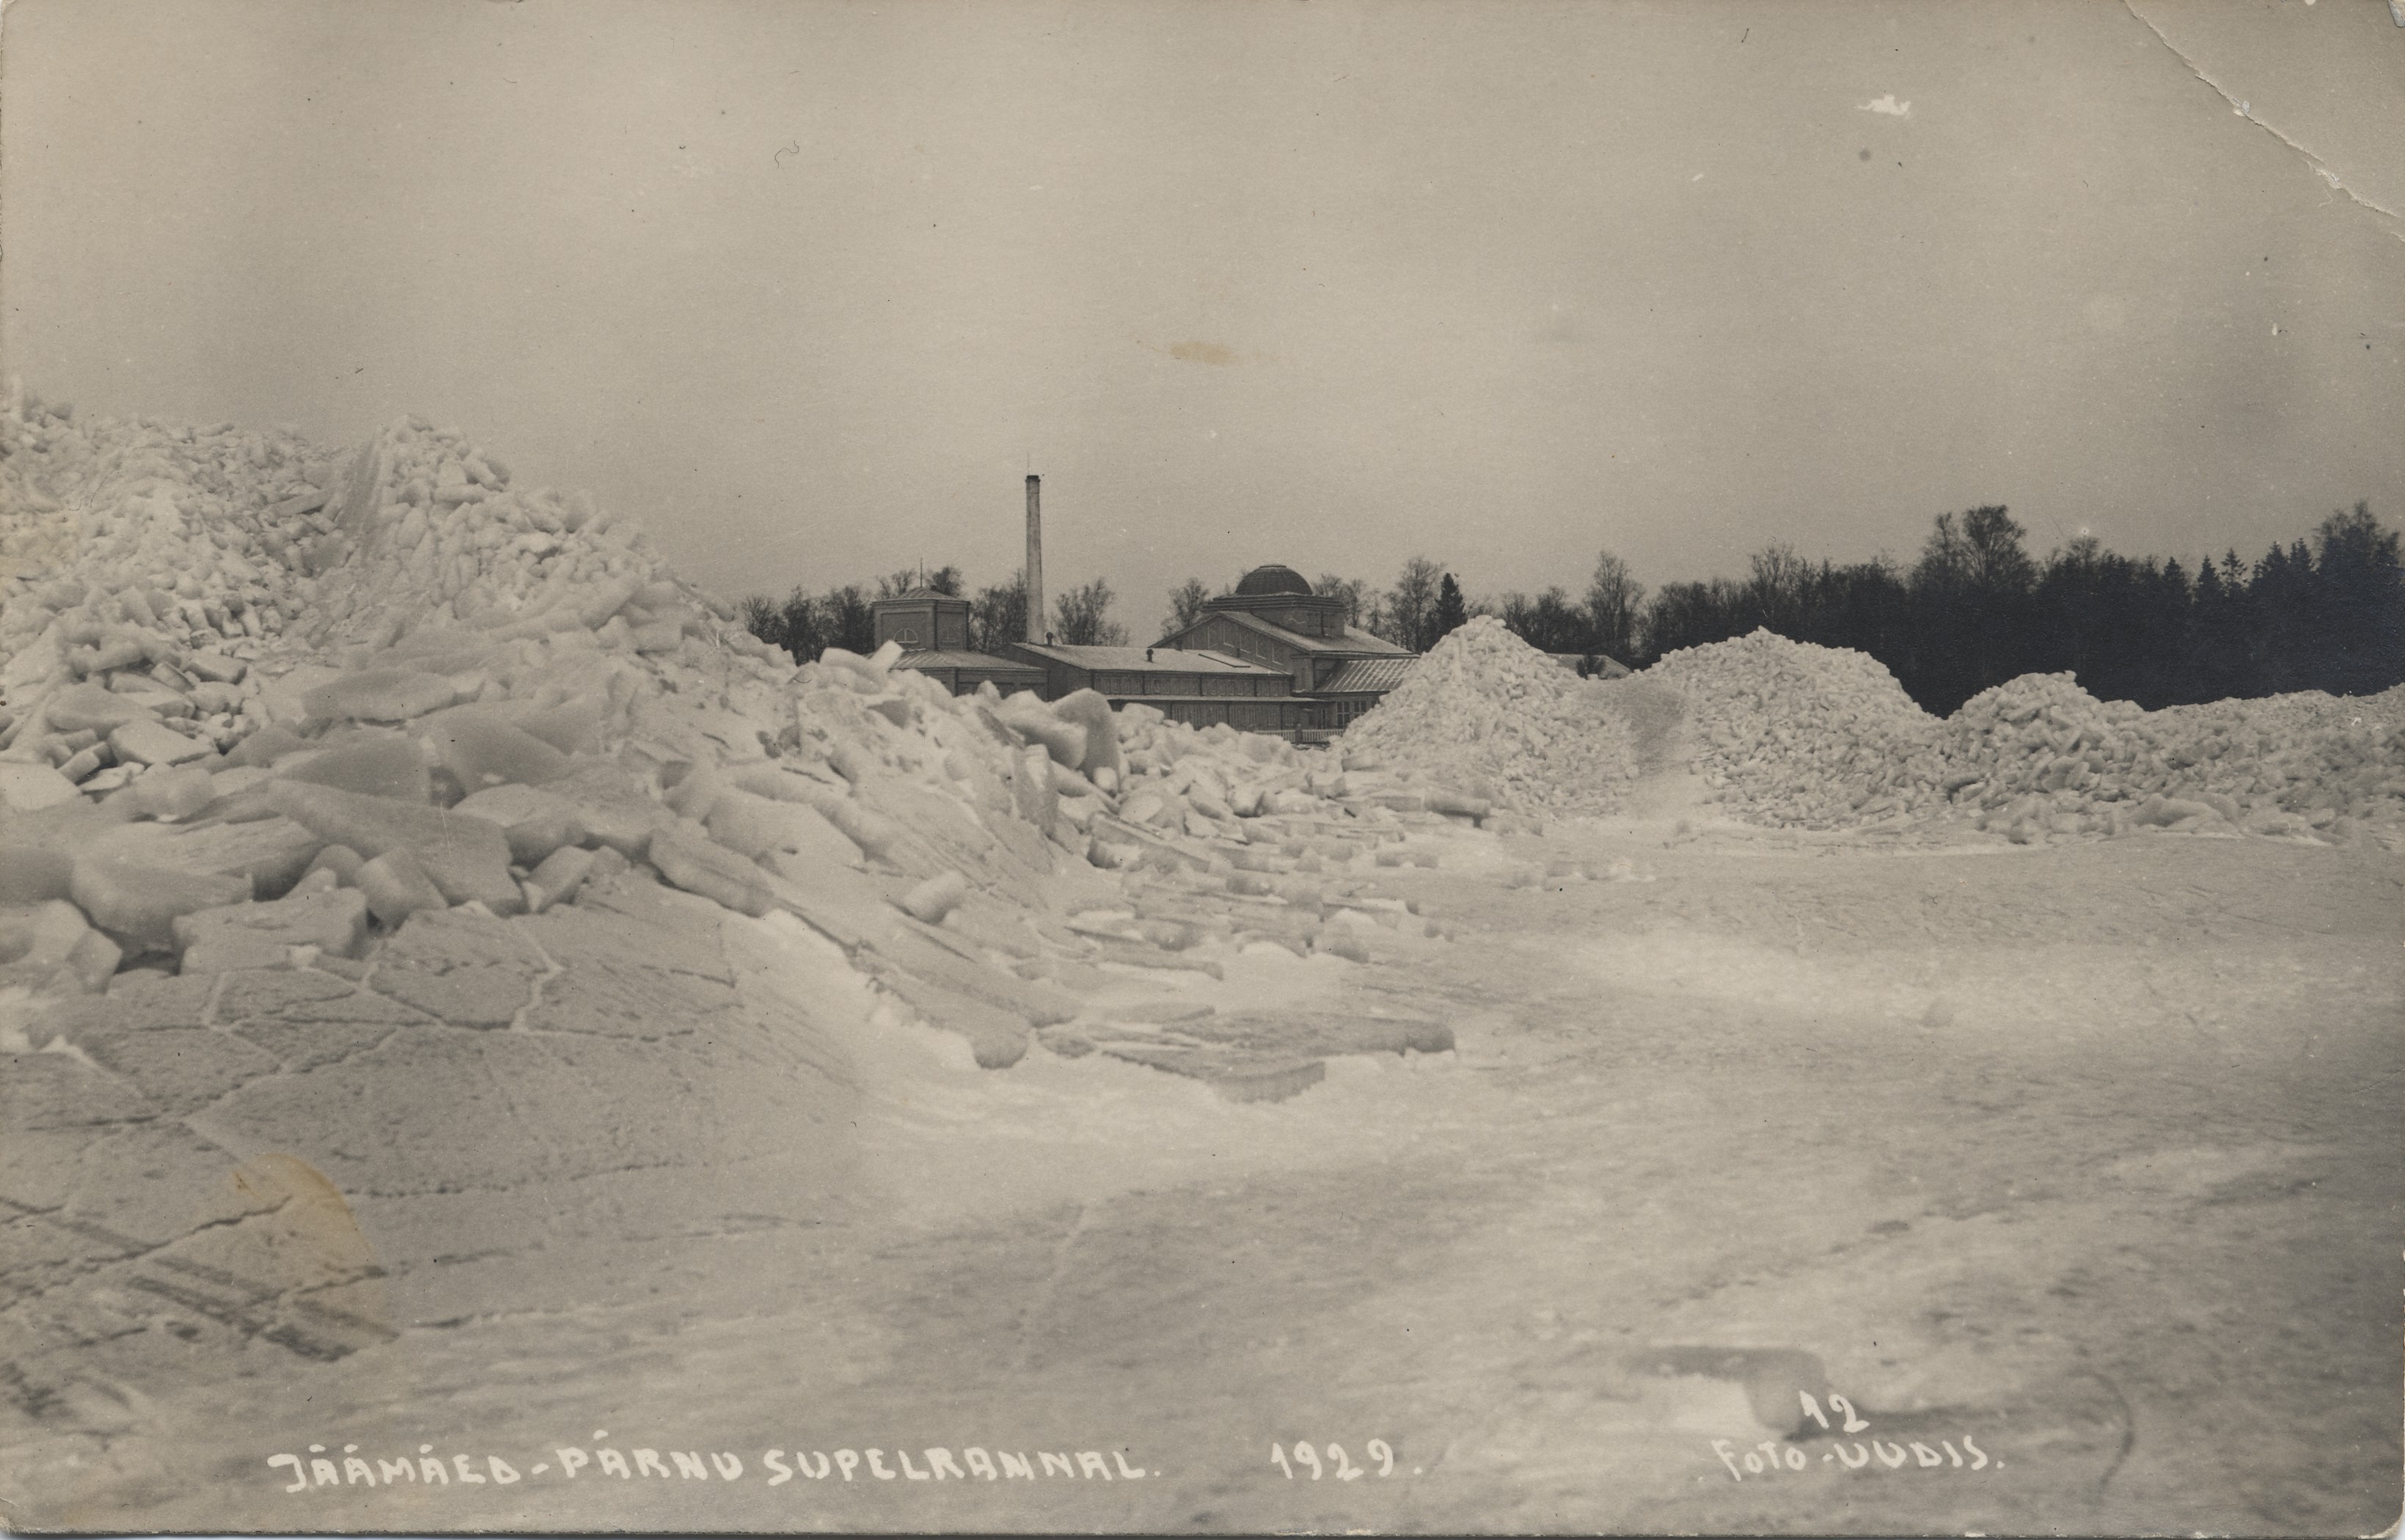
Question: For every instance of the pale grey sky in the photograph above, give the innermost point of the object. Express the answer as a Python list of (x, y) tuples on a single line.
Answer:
[(808, 287)]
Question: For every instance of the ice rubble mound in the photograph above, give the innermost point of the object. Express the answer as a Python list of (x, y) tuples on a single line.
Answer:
[(1795, 736), (1486, 713), (2038, 755), (1788, 734), (264, 706)]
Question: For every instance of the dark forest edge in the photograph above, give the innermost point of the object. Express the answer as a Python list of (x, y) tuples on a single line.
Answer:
[(1975, 609)]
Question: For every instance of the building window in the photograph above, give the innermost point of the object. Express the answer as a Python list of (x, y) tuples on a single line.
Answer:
[(907, 637)]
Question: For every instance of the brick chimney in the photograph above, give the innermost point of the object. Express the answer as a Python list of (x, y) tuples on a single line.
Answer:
[(1035, 559)]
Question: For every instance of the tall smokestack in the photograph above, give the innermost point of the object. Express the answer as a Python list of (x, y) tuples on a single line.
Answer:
[(1035, 559)]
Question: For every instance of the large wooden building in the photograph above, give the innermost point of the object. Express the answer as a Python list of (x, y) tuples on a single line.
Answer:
[(1271, 657), (1273, 619)]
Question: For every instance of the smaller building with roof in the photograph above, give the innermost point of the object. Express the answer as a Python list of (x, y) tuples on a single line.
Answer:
[(1193, 686), (931, 628)]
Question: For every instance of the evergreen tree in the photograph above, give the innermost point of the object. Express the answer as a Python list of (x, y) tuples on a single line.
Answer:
[(1451, 613), (2359, 602)]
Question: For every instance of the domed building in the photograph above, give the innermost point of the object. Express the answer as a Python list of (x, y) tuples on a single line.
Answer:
[(1271, 657), (1276, 578), (1274, 620)]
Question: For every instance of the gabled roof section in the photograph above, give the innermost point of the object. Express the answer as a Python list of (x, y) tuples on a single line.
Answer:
[(1367, 641), (1606, 667), (1369, 676), (945, 658), (1355, 642), (1165, 660)]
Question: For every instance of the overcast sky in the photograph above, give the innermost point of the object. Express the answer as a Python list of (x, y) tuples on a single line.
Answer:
[(811, 287)]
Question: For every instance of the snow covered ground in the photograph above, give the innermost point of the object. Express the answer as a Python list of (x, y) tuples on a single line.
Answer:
[(486, 1047)]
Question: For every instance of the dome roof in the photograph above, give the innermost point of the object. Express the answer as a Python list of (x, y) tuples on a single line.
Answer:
[(1272, 578)]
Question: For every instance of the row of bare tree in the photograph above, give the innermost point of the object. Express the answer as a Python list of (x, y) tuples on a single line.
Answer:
[(807, 624)]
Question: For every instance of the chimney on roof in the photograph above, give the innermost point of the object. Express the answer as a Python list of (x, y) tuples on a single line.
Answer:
[(1035, 559)]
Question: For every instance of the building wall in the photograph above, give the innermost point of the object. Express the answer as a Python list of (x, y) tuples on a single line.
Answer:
[(965, 681), (924, 625), (1342, 709), (1278, 714)]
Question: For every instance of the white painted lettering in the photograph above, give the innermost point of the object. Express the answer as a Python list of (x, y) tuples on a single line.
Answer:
[(1889, 1460), (1091, 1462), (1855, 1461), (355, 1470), (802, 1462), (1853, 1421), (940, 1462), (433, 1473), (1062, 1461), (1015, 1467), (1978, 1455), (726, 1464), (981, 1463), (614, 1464), (877, 1465), (300, 1481), (325, 1473), (459, 1464), (393, 1470), (689, 1466), (572, 1461), (775, 1460), (847, 1461), (1926, 1455), (502, 1473), (913, 1472)]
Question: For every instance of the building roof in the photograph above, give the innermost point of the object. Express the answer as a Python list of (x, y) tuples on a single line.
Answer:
[(921, 592), (1272, 578), (1355, 642), (1369, 676), (1606, 667), (945, 658), (1165, 660)]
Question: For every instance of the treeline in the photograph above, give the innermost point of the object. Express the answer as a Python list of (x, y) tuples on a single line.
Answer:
[(1976, 610), (805, 625)]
